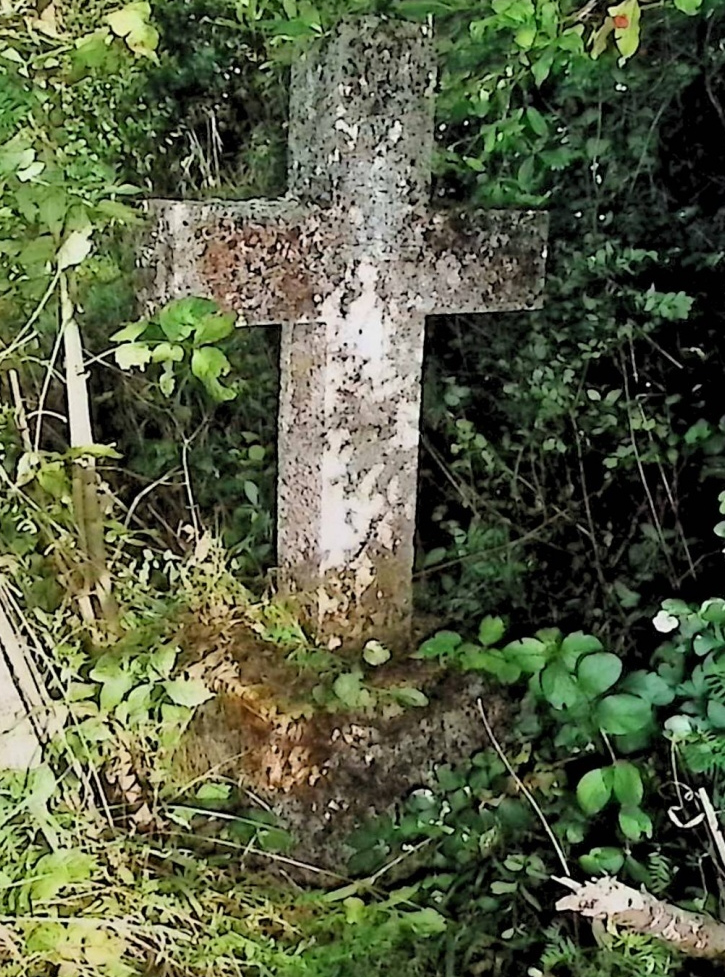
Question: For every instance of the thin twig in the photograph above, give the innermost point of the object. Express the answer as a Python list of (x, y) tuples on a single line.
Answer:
[(524, 790)]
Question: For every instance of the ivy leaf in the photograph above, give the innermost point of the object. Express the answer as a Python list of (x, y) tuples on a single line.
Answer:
[(598, 672), (594, 790), (76, 248), (623, 713), (187, 692)]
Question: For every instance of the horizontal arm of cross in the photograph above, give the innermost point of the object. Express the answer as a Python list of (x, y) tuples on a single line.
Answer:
[(482, 261), (271, 260)]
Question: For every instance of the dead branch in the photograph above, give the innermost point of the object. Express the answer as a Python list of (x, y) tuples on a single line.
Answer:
[(693, 934)]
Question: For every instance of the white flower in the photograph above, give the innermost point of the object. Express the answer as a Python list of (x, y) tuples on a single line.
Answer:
[(664, 622)]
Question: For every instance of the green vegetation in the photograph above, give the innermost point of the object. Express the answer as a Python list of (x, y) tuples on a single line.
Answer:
[(569, 536)]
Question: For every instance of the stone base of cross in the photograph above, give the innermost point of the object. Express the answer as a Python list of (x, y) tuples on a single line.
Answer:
[(350, 262)]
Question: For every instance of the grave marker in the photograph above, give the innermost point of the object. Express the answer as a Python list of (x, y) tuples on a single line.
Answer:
[(350, 262)]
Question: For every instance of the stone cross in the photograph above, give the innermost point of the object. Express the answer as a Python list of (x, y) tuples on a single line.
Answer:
[(350, 262)]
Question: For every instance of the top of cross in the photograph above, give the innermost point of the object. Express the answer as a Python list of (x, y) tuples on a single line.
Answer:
[(361, 117)]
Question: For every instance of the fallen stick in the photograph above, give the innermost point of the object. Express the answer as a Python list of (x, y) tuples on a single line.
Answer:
[(693, 934)]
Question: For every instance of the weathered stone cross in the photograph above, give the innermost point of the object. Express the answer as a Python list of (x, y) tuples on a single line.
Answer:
[(351, 262)]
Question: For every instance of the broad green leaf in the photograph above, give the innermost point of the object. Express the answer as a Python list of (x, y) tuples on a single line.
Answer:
[(213, 793), (375, 653), (577, 644), (130, 18), (76, 248), (625, 18), (594, 790), (649, 686), (187, 692), (635, 823), (530, 654), (491, 630), (598, 672), (131, 332), (130, 355), (213, 328), (716, 713), (167, 353), (476, 659), (689, 7), (623, 713), (559, 686), (348, 689), (441, 645), (256, 452), (208, 364), (602, 861), (628, 788), (424, 922), (163, 660)]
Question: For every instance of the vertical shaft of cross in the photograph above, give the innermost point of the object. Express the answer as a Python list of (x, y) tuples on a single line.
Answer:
[(361, 133)]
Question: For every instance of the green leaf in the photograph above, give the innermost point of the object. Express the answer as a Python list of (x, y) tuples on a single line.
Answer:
[(623, 713), (649, 686), (375, 653), (689, 7), (634, 823), (491, 630), (476, 659), (187, 692), (625, 17), (208, 364), (559, 687), (594, 790), (602, 861), (598, 672), (577, 644), (628, 788), (716, 713), (442, 645), (213, 793), (529, 654), (132, 355), (537, 121), (179, 318), (167, 353), (408, 696), (130, 18), (131, 332), (256, 452), (213, 328), (251, 491), (349, 689), (162, 660), (76, 248)]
